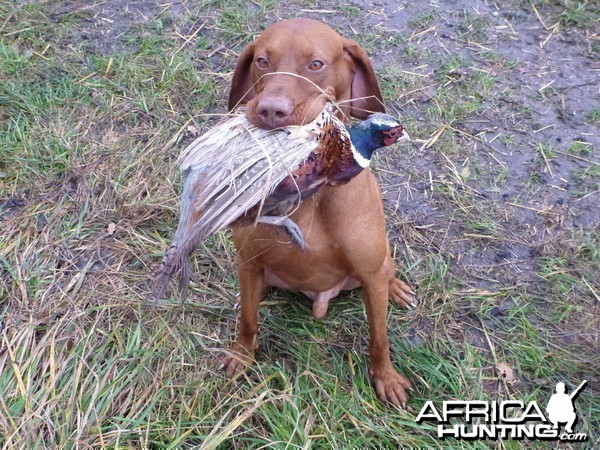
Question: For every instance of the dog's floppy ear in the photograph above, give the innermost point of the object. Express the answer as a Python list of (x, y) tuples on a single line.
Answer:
[(241, 83), (365, 90)]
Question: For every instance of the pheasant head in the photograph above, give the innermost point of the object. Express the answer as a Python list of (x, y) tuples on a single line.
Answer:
[(378, 130)]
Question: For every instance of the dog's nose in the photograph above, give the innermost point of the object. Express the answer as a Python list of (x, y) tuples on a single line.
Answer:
[(274, 111)]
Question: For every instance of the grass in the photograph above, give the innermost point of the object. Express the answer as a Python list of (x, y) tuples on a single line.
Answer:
[(490, 218)]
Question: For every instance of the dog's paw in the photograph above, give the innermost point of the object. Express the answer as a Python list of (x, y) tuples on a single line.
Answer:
[(237, 361), (391, 387), (401, 294)]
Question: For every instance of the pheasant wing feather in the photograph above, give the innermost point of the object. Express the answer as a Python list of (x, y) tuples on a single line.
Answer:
[(235, 166)]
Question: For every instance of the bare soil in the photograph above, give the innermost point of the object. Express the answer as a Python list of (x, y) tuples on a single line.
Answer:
[(545, 87)]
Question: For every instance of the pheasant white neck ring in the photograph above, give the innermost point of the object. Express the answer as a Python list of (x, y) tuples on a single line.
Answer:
[(360, 159)]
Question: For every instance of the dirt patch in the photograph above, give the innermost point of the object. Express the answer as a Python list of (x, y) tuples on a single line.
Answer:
[(527, 154), (109, 26)]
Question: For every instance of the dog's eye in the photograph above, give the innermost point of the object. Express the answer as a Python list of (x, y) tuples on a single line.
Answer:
[(263, 63), (316, 65)]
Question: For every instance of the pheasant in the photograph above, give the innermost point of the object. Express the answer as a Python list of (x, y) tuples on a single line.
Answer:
[(238, 175)]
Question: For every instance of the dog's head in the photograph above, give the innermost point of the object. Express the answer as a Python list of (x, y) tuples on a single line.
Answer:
[(294, 67)]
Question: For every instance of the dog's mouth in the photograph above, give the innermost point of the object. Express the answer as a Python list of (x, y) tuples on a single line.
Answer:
[(276, 111)]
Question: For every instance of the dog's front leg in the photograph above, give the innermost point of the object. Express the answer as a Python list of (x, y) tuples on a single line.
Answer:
[(389, 384), (252, 285)]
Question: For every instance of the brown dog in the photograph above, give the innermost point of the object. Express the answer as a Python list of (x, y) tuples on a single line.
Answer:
[(285, 77)]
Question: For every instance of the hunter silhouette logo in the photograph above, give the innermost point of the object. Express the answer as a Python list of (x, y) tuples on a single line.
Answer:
[(560, 407), (509, 419)]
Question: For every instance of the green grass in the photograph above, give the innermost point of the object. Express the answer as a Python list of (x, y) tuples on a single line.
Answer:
[(594, 116), (502, 253), (569, 14)]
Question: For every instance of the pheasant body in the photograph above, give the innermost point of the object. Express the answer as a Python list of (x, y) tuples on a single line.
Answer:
[(238, 175)]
